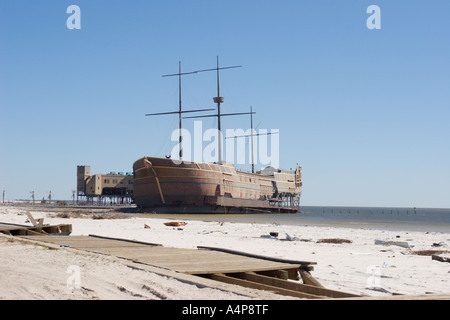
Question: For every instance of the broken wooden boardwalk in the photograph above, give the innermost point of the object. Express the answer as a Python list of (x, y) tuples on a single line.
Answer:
[(38, 228), (224, 265), (20, 230)]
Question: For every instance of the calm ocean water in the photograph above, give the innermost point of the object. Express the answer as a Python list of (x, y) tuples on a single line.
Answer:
[(409, 219)]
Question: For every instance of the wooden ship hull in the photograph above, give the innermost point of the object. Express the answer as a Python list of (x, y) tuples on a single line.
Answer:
[(168, 186)]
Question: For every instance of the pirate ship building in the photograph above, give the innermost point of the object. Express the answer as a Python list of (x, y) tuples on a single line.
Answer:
[(169, 186)]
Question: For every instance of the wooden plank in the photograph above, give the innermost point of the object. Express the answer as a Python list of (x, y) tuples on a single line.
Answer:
[(20, 231), (281, 274), (261, 286), (215, 269), (194, 264), (49, 238), (132, 252), (251, 276), (304, 264), (92, 242), (30, 232), (309, 279), (292, 274), (104, 245), (125, 240), (31, 218)]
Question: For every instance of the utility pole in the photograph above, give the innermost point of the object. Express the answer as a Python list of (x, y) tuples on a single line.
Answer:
[(3, 196)]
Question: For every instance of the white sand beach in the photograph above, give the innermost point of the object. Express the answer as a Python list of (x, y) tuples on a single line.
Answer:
[(374, 263)]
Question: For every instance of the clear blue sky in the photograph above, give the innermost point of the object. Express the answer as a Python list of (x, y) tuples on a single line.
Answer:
[(366, 113)]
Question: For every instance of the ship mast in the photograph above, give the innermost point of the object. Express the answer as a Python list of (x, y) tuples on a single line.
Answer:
[(218, 100), (180, 111), (251, 135), (251, 141)]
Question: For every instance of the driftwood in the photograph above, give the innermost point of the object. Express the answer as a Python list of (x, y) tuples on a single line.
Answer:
[(430, 252), (439, 258), (334, 240), (36, 223), (175, 224)]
